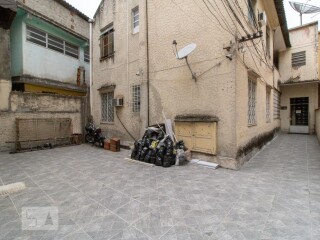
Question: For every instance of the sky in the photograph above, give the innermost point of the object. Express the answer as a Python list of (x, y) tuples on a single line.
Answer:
[(89, 7)]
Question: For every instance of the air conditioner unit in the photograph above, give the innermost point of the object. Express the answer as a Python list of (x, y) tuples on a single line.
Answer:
[(262, 19), (118, 102)]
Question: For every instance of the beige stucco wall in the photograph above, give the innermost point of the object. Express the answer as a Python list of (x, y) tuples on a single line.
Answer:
[(302, 39), (294, 91), (32, 105), (130, 56), (221, 88), (59, 14), (318, 123)]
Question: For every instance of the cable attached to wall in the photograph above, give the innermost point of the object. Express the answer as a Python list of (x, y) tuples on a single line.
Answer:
[(124, 126)]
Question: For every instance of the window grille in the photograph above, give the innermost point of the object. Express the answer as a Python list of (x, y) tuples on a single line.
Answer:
[(107, 109), (36, 36), (49, 41), (252, 85), (135, 20), (107, 43), (71, 50), (55, 43), (87, 54), (268, 105), (298, 59), (276, 104), (136, 96), (251, 11)]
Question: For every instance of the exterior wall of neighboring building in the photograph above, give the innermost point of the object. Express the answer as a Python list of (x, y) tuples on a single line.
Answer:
[(300, 81), (5, 83), (303, 38), (35, 105), (318, 123), (221, 86), (35, 60), (53, 10), (122, 69), (310, 90)]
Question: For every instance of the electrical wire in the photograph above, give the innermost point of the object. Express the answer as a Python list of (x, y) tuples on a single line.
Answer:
[(124, 126), (219, 13)]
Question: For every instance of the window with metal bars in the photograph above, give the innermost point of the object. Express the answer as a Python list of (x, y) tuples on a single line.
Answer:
[(135, 19), (276, 104), (268, 105), (298, 59), (49, 41), (107, 109), (107, 43), (136, 97), (87, 54), (251, 11), (252, 87)]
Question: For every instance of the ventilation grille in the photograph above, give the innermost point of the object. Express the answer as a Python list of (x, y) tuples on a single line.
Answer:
[(299, 59)]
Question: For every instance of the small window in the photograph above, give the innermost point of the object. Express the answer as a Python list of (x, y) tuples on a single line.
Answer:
[(36, 36), (298, 59), (55, 44), (135, 19), (107, 44), (268, 105), (252, 88), (136, 98), (276, 104), (71, 50), (87, 54), (107, 109)]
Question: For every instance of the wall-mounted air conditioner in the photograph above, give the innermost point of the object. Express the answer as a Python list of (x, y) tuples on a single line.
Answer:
[(118, 102), (262, 19)]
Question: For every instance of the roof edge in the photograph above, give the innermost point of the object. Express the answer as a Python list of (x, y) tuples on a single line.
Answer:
[(72, 9), (283, 21), (304, 25)]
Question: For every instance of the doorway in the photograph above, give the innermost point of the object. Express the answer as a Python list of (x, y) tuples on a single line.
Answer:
[(299, 115)]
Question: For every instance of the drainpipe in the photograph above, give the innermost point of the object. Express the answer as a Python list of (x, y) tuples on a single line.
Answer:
[(148, 74), (91, 21)]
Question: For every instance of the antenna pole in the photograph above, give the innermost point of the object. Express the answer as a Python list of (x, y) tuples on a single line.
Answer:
[(300, 19), (193, 75)]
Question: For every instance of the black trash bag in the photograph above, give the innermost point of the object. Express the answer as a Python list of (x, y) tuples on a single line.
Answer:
[(135, 150), (143, 153), (148, 156), (160, 155), (181, 145), (167, 161), (153, 156)]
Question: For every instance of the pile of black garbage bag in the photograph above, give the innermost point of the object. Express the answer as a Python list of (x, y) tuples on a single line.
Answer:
[(157, 147)]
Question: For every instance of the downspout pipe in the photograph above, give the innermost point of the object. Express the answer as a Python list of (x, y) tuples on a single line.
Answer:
[(91, 21), (148, 63)]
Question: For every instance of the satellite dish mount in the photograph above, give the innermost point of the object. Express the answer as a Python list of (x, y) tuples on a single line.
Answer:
[(184, 53), (304, 8)]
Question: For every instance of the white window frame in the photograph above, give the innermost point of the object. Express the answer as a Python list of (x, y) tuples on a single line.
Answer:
[(135, 20), (136, 98), (252, 101), (107, 107)]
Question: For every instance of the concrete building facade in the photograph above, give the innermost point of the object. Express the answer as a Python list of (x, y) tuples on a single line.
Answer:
[(300, 80), (228, 96)]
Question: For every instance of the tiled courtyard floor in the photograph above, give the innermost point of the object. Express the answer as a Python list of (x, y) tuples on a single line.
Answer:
[(101, 196)]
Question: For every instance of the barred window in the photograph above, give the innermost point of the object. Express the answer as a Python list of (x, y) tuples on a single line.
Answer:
[(276, 104), (251, 11), (49, 41), (298, 59), (107, 43), (136, 90), (252, 86), (36, 36), (87, 54), (135, 19), (107, 109), (55, 43), (268, 105)]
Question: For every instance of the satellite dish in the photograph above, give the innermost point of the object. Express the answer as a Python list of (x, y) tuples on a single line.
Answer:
[(184, 52), (303, 8)]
